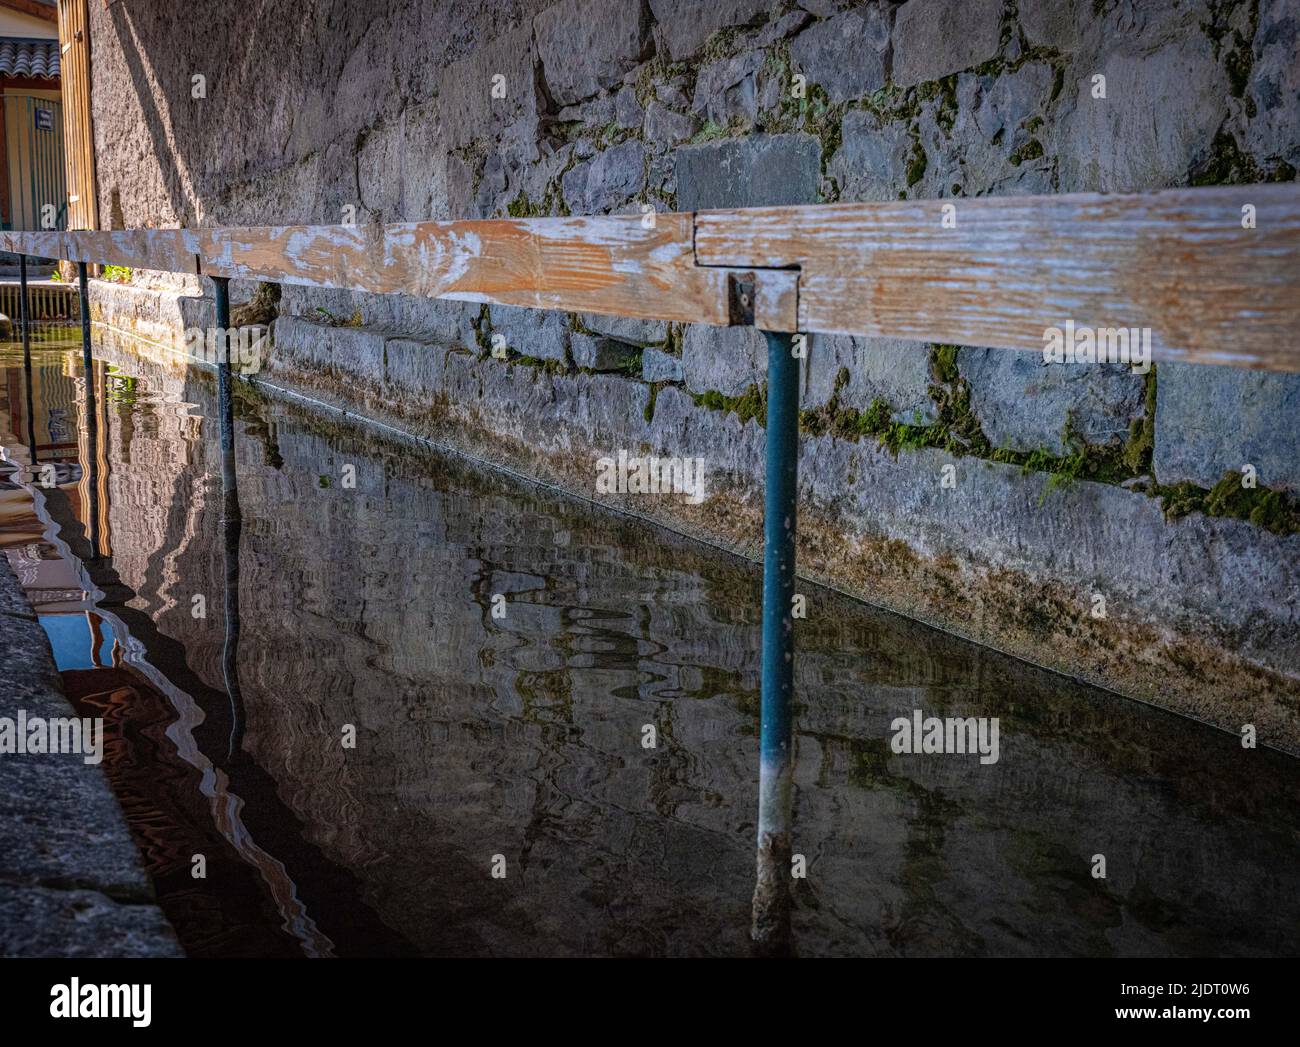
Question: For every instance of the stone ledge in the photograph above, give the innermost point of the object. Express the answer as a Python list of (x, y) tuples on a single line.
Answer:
[(40, 921), (71, 881)]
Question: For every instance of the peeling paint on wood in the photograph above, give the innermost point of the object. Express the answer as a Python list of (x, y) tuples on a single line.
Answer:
[(998, 272), (1180, 263)]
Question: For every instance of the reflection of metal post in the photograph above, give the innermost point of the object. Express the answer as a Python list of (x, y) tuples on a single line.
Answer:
[(22, 301), (771, 911), (92, 412), (231, 519), (27, 362)]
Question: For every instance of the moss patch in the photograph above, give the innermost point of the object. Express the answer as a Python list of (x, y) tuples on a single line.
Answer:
[(917, 162), (1142, 431), (752, 403), (324, 316), (1229, 164), (1031, 150), (649, 412), (1274, 511), (540, 364)]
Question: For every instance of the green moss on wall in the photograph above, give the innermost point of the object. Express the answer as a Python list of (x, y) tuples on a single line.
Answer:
[(752, 403), (1228, 164), (1275, 511)]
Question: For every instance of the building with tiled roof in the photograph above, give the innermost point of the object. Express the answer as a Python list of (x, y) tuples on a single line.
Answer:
[(32, 179)]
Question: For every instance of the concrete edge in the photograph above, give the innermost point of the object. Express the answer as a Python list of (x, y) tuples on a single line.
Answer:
[(72, 883)]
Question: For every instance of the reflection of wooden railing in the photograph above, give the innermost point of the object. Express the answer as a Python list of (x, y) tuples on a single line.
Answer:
[(45, 302), (1213, 273)]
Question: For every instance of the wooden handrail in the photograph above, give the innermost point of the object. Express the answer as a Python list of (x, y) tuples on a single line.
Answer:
[(1214, 273)]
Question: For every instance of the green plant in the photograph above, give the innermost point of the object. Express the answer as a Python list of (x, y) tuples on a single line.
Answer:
[(334, 320), (118, 274)]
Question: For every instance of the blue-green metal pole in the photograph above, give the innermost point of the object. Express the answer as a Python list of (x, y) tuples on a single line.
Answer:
[(22, 301), (84, 291), (771, 910), (231, 517), (225, 394)]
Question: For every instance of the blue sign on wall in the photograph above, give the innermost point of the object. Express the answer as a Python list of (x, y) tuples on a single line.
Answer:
[(44, 119)]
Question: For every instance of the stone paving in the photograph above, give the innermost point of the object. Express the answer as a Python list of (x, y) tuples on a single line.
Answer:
[(71, 882)]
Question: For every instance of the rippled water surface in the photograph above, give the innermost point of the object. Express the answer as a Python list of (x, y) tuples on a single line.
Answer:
[(370, 608)]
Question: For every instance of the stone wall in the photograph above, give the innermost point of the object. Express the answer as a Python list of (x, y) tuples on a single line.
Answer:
[(1073, 483)]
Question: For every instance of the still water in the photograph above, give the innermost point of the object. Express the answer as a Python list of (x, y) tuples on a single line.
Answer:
[(516, 742)]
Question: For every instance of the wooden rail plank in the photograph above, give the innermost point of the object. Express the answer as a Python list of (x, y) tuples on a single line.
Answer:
[(1179, 262), (609, 264), (619, 264), (168, 250)]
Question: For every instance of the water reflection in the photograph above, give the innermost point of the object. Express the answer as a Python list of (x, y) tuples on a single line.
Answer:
[(363, 575)]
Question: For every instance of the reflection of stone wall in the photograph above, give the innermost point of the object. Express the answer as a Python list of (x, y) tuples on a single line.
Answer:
[(480, 736), (386, 108)]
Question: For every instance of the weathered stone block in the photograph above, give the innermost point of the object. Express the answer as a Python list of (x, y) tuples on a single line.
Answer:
[(757, 171), (1112, 144), (603, 354), (414, 369), (460, 190), (1211, 420), (877, 368), (731, 449), (430, 319), (1025, 404), (787, 25), (627, 110), (933, 38), (531, 332), (659, 366), (607, 181), (42, 921), (673, 93), (1274, 132), (424, 166), (627, 328), (844, 54), (589, 45), (728, 88), (991, 144), (724, 359), (491, 185), (873, 158), (1054, 23), (467, 108), (355, 352), (684, 25), (379, 171), (666, 127)]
